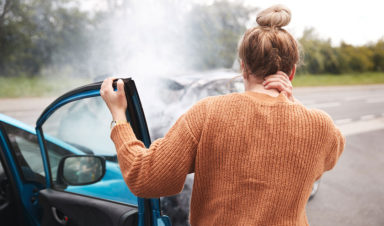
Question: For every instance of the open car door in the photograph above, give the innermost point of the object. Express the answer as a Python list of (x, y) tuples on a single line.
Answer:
[(77, 123)]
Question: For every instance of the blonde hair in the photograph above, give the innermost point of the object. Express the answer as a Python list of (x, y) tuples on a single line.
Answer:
[(269, 48)]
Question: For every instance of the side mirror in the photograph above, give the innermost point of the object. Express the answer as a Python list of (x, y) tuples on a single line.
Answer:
[(80, 170)]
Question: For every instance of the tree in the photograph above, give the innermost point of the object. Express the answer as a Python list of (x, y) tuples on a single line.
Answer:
[(213, 32), (378, 55), (319, 55), (31, 32)]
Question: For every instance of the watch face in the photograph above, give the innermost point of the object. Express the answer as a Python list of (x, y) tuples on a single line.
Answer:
[(113, 123)]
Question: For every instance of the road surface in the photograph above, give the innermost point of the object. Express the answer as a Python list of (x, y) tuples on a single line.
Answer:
[(353, 193)]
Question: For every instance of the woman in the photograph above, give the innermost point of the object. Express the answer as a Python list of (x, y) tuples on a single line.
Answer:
[(255, 154)]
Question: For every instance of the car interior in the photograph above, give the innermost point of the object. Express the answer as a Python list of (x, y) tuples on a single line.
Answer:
[(9, 203)]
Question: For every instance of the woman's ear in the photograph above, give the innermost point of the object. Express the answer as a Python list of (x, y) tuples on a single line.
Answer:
[(293, 72), (243, 71)]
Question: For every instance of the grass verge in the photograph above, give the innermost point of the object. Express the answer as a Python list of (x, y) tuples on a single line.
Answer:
[(37, 86), (44, 86), (339, 80)]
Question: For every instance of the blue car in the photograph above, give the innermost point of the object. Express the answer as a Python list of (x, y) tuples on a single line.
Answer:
[(65, 171)]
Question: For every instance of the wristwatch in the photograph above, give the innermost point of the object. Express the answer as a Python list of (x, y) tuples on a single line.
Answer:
[(115, 123)]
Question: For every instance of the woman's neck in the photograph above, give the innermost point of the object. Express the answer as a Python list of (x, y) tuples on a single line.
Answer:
[(252, 85)]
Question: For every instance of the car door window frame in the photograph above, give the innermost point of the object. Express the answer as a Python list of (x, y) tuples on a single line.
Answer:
[(149, 208), (16, 151)]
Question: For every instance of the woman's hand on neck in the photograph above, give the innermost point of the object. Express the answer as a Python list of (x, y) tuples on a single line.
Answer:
[(254, 84), (271, 85)]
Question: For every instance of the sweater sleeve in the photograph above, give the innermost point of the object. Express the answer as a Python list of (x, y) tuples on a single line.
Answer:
[(335, 147), (161, 169)]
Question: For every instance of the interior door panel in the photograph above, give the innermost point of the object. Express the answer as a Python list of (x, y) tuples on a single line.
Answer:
[(63, 208)]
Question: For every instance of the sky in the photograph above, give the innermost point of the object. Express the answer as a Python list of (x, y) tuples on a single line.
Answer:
[(354, 22)]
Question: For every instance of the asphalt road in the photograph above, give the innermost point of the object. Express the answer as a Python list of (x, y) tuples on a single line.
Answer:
[(353, 192)]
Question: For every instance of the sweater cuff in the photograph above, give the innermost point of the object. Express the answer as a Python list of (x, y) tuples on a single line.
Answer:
[(122, 133)]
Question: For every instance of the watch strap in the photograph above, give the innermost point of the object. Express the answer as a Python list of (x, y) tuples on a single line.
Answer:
[(115, 123)]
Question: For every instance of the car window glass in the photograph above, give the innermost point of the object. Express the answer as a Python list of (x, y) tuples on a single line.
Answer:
[(82, 127), (27, 153), (55, 154), (83, 124)]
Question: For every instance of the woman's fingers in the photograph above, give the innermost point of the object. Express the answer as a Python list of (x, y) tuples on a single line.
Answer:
[(108, 84), (276, 85), (116, 101), (286, 90), (120, 87), (279, 81), (106, 87)]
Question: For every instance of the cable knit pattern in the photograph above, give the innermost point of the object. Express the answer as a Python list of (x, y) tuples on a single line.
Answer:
[(255, 158)]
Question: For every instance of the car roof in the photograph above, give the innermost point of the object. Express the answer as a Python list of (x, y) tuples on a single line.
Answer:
[(17, 123)]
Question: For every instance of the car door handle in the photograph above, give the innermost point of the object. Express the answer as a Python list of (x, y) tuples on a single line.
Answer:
[(59, 217), (35, 193)]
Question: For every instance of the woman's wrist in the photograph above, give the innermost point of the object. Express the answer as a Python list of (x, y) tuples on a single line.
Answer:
[(119, 117)]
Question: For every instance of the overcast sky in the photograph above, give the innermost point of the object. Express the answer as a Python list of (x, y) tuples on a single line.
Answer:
[(354, 22)]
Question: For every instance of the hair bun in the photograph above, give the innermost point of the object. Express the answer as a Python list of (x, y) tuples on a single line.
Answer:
[(274, 16)]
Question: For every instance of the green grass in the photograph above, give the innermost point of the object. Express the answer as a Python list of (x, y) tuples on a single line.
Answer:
[(339, 80), (37, 86), (43, 86)]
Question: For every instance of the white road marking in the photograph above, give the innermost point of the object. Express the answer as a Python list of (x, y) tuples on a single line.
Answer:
[(361, 126), (343, 121), (373, 101), (364, 97), (324, 105), (367, 117), (307, 102), (354, 98)]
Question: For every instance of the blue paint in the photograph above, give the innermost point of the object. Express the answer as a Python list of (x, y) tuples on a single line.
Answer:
[(44, 154), (24, 191), (111, 187), (16, 123)]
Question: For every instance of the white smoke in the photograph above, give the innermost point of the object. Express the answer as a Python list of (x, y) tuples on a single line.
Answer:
[(145, 40)]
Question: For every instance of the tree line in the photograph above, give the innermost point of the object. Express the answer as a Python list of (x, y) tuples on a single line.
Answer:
[(36, 35), (320, 57)]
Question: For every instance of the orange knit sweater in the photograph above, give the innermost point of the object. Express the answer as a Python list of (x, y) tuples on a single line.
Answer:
[(255, 158)]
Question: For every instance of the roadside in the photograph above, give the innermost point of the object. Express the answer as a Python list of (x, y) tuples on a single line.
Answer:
[(352, 193), (12, 87), (26, 109), (365, 78), (46, 86)]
